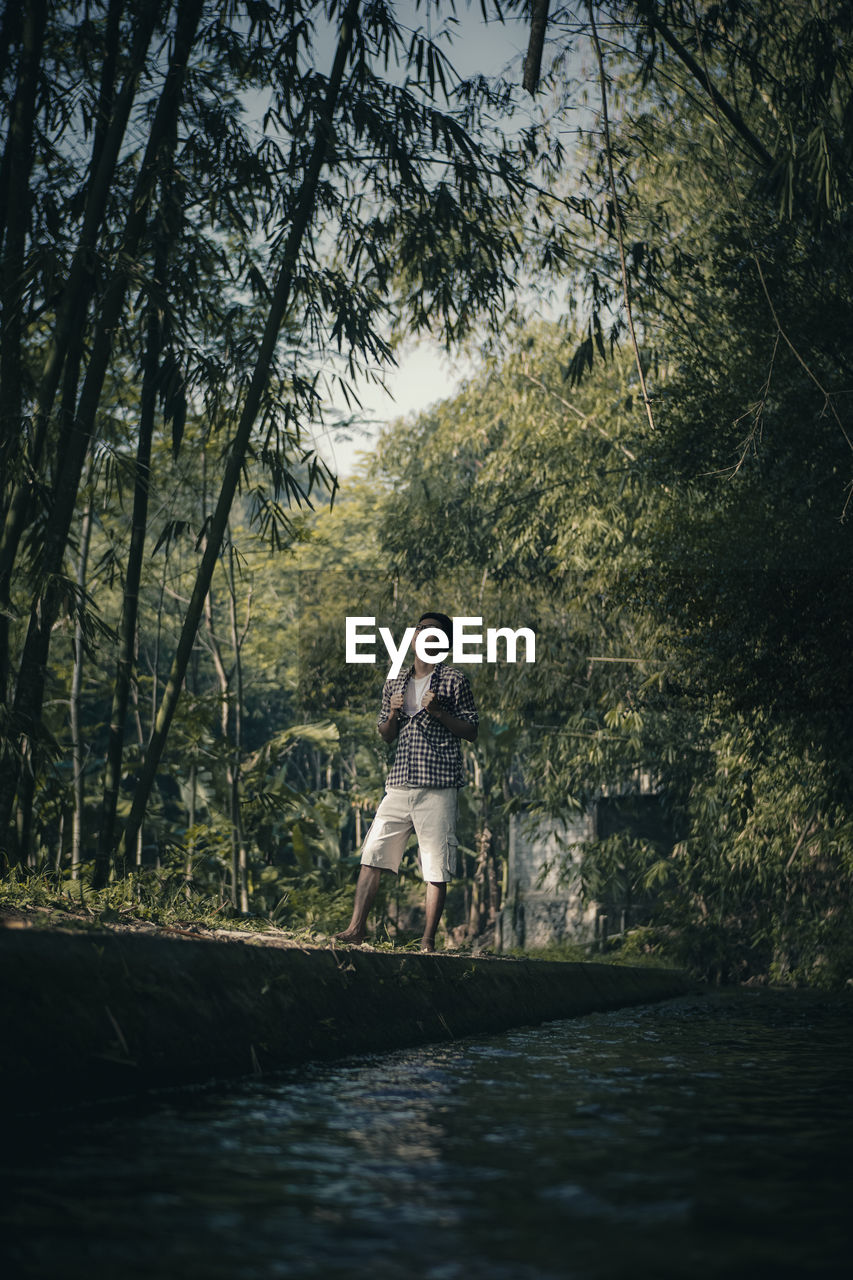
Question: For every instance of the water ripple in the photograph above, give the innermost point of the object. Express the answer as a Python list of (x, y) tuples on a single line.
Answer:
[(701, 1138)]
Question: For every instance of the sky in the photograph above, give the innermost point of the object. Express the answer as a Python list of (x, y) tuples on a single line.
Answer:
[(424, 372)]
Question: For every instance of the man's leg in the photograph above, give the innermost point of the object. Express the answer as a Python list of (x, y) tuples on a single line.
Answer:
[(434, 819), (383, 845), (435, 896), (365, 892)]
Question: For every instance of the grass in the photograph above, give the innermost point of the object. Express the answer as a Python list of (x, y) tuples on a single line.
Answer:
[(49, 900), (641, 946), (160, 899), (141, 896)]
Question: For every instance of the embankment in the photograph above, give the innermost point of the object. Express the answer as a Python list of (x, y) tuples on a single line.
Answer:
[(88, 1015)]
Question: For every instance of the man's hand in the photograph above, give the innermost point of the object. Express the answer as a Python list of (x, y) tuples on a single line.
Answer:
[(430, 703), (461, 728), (389, 728)]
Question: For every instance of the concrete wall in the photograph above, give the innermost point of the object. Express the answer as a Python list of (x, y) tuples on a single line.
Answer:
[(543, 903), (89, 1015)]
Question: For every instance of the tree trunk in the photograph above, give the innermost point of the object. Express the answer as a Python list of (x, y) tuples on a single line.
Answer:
[(25, 24), (140, 737), (77, 293), (479, 908), (232, 732), (77, 749), (18, 163), (133, 575), (60, 844), (158, 640), (237, 639), (16, 169), (106, 92), (24, 812), (234, 465), (31, 676), (533, 61), (191, 815), (225, 728), (10, 34)]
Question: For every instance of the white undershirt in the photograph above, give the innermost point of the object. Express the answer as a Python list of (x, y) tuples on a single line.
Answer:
[(415, 690)]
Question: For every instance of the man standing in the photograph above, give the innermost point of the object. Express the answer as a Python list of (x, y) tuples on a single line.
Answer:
[(426, 709)]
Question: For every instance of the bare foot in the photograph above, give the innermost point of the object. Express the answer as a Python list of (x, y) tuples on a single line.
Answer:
[(353, 936), (427, 944)]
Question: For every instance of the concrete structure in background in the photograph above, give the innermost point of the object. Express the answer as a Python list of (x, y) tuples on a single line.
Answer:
[(543, 904)]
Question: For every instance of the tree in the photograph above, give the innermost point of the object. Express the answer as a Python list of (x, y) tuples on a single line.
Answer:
[(363, 185), (76, 433), (681, 641), (739, 269)]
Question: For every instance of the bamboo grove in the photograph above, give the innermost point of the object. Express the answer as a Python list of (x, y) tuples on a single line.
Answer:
[(216, 220)]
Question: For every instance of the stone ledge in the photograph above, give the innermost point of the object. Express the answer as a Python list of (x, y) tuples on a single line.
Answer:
[(94, 1015)]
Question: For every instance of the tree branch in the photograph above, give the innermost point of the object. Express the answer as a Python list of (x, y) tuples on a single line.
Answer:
[(722, 104), (617, 213)]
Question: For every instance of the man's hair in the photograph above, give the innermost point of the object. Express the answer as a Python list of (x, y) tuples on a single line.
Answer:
[(442, 622)]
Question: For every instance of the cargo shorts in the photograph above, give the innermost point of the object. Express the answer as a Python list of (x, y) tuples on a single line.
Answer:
[(428, 811)]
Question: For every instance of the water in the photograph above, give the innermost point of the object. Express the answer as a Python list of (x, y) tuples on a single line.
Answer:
[(705, 1137)]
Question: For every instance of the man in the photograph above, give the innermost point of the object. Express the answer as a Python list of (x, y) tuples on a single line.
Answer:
[(426, 710)]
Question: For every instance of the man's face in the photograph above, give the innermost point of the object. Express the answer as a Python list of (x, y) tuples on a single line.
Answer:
[(425, 624)]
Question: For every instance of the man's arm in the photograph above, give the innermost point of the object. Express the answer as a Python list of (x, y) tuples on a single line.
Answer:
[(466, 729), (390, 726)]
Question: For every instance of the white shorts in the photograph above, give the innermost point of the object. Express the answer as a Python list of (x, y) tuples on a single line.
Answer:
[(428, 811)]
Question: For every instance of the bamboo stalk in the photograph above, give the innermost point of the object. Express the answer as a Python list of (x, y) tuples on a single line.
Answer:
[(234, 465)]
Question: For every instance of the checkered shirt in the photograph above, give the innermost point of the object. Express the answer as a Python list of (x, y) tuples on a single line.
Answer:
[(428, 754)]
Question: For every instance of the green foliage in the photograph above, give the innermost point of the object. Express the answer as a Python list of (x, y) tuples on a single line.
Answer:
[(249, 260), (146, 896), (645, 947), (690, 586), (637, 681)]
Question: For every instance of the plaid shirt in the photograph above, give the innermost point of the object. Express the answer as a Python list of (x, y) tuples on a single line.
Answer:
[(428, 754)]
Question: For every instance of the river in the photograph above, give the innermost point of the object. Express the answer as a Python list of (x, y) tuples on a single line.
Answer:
[(710, 1136)]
